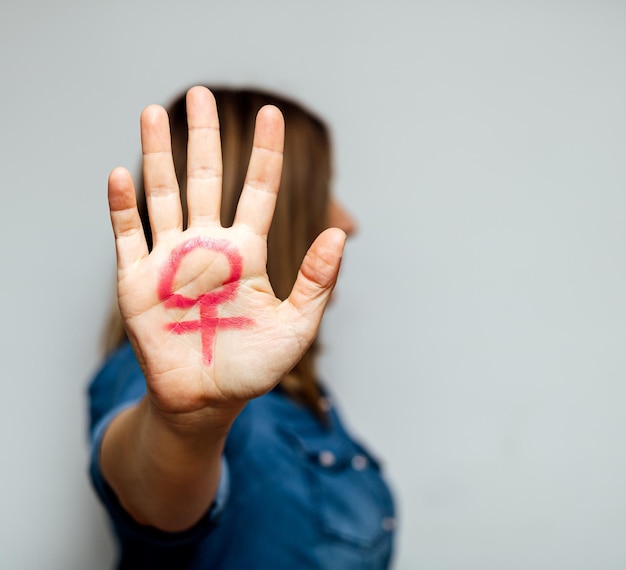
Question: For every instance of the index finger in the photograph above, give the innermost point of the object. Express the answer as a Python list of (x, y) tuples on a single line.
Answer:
[(162, 194)]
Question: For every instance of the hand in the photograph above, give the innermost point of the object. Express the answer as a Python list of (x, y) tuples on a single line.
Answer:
[(199, 310)]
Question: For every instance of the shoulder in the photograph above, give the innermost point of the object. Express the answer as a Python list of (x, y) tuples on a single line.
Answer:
[(118, 373), (118, 382)]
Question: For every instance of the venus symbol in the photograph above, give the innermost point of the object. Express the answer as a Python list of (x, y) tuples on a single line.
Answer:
[(209, 321)]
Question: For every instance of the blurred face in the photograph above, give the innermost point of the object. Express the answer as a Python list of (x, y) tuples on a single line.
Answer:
[(338, 217)]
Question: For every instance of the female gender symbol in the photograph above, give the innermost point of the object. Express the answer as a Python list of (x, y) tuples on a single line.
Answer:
[(208, 322)]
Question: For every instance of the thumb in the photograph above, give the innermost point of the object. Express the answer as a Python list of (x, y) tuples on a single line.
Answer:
[(317, 277)]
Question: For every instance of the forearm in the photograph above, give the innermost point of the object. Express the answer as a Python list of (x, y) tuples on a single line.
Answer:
[(164, 472)]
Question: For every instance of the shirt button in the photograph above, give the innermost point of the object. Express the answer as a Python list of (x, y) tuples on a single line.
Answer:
[(327, 458), (388, 523), (359, 462)]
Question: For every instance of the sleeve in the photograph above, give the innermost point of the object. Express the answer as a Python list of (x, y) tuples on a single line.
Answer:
[(120, 384)]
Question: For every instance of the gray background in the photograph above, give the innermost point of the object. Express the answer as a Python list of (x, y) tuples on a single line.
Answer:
[(477, 342)]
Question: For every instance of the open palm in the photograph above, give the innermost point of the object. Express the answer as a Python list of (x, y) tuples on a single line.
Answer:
[(199, 310)]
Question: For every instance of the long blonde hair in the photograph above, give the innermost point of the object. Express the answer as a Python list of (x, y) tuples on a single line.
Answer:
[(301, 210)]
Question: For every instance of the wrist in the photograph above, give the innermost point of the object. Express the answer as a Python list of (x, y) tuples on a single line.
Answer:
[(207, 422)]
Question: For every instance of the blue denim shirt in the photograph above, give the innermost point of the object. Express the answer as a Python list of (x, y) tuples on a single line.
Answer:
[(294, 493)]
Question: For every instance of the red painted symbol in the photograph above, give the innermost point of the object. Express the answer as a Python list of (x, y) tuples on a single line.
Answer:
[(209, 321)]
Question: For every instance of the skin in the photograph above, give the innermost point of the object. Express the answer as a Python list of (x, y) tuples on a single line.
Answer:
[(162, 457), (209, 321)]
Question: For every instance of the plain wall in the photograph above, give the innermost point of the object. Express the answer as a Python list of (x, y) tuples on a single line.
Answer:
[(477, 341)]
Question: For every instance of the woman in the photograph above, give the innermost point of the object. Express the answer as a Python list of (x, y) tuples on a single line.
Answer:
[(213, 443)]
